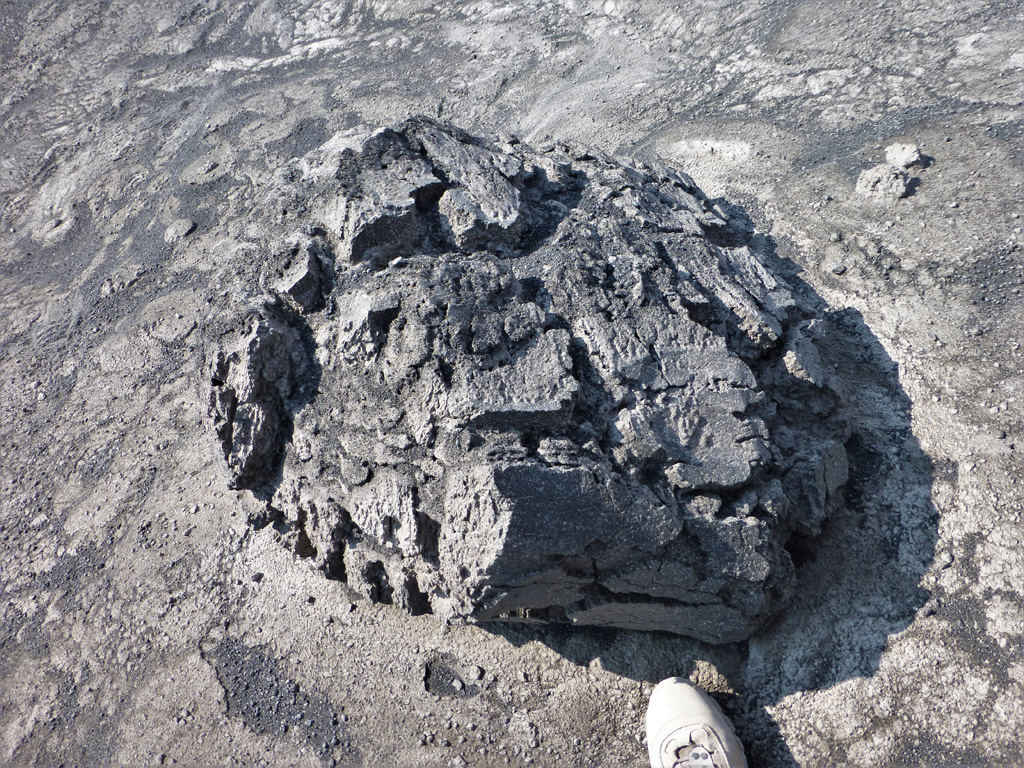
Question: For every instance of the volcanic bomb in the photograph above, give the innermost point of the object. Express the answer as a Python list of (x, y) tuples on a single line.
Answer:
[(498, 383)]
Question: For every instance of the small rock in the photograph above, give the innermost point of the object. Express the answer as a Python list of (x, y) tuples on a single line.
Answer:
[(301, 277), (883, 182), (903, 155), (180, 228)]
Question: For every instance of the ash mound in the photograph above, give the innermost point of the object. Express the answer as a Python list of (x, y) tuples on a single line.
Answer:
[(494, 383)]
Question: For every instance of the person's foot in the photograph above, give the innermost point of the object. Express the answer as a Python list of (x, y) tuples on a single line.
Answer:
[(686, 727)]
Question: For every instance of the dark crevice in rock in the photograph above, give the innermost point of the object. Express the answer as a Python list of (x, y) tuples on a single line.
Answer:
[(334, 565), (429, 538), (419, 601), (376, 577), (303, 545)]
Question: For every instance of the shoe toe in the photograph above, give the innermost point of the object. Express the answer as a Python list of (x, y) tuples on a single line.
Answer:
[(684, 724)]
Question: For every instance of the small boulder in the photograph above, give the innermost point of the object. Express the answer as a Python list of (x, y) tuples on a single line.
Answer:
[(883, 182), (903, 155)]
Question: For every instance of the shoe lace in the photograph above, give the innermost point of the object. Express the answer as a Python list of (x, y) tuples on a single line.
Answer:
[(694, 746)]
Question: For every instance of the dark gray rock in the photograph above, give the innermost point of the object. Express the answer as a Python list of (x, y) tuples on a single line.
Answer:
[(548, 387), (300, 274), (255, 372)]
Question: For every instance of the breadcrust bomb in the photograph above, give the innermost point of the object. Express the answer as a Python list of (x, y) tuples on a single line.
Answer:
[(495, 383)]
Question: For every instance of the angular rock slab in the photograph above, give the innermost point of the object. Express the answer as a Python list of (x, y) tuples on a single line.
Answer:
[(495, 383)]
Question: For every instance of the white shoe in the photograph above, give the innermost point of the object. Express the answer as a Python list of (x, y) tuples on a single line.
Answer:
[(687, 729)]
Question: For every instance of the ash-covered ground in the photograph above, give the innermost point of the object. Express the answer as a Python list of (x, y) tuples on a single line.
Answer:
[(159, 605)]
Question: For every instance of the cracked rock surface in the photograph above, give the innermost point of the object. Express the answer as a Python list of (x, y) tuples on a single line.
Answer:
[(490, 382)]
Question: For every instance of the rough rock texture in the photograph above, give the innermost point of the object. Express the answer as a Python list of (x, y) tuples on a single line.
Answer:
[(903, 155), (883, 182), (494, 383)]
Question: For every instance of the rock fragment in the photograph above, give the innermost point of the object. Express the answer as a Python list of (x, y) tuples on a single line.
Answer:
[(903, 155), (534, 386), (301, 273), (883, 182), (179, 229), (258, 365)]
